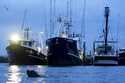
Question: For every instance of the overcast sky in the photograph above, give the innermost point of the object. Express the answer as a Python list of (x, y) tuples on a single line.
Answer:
[(11, 15)]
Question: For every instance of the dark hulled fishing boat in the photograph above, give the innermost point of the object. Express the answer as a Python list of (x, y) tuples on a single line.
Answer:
[(25, 51), (62, 50), (121, 57), (104, 52)]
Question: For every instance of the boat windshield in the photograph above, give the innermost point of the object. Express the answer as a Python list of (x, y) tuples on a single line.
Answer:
[(27, 43)]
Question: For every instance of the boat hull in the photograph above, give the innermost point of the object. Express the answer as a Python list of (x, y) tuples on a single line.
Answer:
[(63, 52), (105, 60), (122, 58), (20, 55), (63, 60)]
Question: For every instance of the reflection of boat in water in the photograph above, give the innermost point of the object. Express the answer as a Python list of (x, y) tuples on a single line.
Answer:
[(62, 50), (122, 57), (14, 74), (25, 51), (104, 52)]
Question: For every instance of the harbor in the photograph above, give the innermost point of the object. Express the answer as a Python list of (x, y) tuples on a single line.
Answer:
[(62, 41), (80, 74), (66, 48)]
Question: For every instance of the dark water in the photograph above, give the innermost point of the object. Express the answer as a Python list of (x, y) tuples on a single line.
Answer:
[(79, 74)]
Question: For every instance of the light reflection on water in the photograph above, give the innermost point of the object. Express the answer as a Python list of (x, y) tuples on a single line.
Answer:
[(79, 74), (14, 74)]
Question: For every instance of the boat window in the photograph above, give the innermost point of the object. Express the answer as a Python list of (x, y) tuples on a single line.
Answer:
[(30, 43), (27, 43)]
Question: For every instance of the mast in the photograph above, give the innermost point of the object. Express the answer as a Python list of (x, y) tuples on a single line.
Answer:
[(26, 33), (23, 21), (69, 18), (52, 17), (82, 41), (106, 28), (25, 30), (66, 21)]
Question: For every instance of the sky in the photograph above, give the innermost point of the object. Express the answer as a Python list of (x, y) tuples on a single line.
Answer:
[(38, 17)]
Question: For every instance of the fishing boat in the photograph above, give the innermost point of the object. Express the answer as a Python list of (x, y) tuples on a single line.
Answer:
[(62, 50), (25, 51), (104, 52), (121, 58), (62, 47)]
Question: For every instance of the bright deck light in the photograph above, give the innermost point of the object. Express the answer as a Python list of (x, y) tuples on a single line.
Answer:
[(39, 49), (15, 38)]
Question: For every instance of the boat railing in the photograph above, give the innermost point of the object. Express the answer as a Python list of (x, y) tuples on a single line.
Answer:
[(106, 55)]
